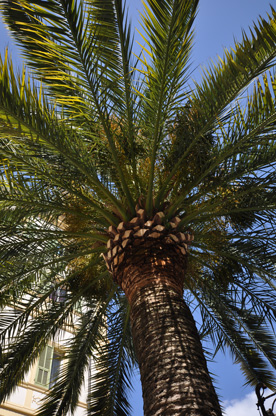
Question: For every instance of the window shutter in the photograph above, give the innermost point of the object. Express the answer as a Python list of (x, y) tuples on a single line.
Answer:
[(44, 366)]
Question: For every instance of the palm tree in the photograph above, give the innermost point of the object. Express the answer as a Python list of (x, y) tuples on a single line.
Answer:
[(144, 197)]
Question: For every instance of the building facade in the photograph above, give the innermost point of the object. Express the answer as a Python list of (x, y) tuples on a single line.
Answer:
[(27, 397)]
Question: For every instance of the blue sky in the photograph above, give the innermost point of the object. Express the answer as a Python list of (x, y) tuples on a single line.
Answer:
[(217, 23)]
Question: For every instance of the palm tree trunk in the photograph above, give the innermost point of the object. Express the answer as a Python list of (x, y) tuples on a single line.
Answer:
[(174, 374)]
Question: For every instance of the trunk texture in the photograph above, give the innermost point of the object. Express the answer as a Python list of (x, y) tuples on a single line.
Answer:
[(148, 260), (173, 369), (174, 375)]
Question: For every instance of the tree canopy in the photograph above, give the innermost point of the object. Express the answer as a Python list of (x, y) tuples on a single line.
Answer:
[(96, 134)]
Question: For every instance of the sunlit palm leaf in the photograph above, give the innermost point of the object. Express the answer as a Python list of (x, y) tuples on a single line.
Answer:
[(167, 25)]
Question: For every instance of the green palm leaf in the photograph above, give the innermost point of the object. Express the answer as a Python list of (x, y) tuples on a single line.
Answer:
[(115, 364), (65, 394), (167, 25)]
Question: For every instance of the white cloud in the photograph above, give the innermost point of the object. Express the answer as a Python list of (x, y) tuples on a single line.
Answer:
[(244, 406), (241, 407)]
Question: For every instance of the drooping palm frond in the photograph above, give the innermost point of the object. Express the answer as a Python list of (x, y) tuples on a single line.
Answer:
[(112, 379), (74, 64), (233, 282), (22, 351), (78, 355), (251, 341), (31, 124)]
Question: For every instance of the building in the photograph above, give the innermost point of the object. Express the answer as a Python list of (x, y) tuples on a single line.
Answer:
[(26, 399)]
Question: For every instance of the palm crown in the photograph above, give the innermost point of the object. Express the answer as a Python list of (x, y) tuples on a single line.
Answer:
[(102, 137)]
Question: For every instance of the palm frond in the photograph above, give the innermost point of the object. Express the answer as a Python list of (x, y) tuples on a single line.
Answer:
[(243, 150), (78, 355), (215, 98), (71, 61), (114, 366), (167, 25), (30, 121), (247, 334), (21, 354)]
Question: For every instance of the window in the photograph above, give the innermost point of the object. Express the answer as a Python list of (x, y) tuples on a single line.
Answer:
[(56, 361), (59, 295), (48, 367)]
